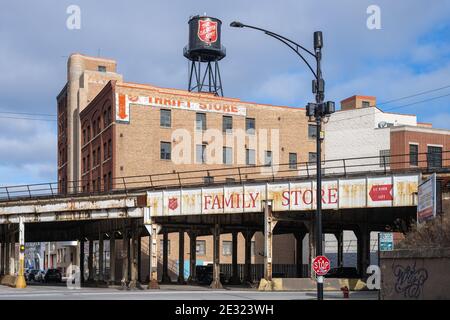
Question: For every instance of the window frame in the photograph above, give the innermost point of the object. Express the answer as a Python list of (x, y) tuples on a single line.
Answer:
[(162, 124), (224, 124), (293, 165), (414, 161), (161, 150)]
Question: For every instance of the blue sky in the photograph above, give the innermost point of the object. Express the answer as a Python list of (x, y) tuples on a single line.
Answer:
[(409, 54)]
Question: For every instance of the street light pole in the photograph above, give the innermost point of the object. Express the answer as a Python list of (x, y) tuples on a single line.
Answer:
[(318, 110)]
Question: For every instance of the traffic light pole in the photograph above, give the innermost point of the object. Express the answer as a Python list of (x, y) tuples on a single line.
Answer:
[(318, 110), (320, 93)]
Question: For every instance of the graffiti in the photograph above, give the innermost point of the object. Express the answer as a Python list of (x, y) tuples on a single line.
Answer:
[(409, 280)]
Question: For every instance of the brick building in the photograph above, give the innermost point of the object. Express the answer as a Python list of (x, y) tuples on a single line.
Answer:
[(109, 129)]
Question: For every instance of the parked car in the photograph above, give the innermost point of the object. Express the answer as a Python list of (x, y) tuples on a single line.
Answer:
[(53, 275), (205, 274), (39, 276), (32, 274)]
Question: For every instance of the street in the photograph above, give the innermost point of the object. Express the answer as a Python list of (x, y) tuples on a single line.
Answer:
[(167, 292)]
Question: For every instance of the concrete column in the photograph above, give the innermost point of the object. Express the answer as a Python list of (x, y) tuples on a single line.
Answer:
[(165, 252), (299, 253), (248, 235), (91, 261), (181, 257), (125, 246), (235, 279), (216, 284), (101, 252), (340, 248), (112, 258), (153, 248), (192, 256), (269, 225), (82, 260)]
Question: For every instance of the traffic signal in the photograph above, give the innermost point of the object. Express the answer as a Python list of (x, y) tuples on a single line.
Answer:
[(22, 248)]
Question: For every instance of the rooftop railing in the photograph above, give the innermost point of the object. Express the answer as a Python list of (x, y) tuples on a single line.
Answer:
[(384, 164)]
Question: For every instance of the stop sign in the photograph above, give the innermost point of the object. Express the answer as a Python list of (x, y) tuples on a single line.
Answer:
[(321, 265)]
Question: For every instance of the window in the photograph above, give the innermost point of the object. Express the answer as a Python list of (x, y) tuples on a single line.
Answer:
[(200, 154), (434, 157), (227, 123), (165, 118), (227, 155), (227, 248), (200, 247), (365, 104), (105, 151), (166, 149), (385, 158), (312, 157), (292, 160), (200, 121), (268, 158), (109, 148), (414, 154), (94, 158), (250, 157), (99, 155), (250, 125), (84, 136), (312, 130), (94, 127), (88, 133), (105, 182), (88, 162), (110, 182), (101, 68), (161, 246)]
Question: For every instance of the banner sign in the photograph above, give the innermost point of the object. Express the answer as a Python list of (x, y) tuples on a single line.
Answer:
[(289, 196), (123, 102), (426, 200), (386, 241)]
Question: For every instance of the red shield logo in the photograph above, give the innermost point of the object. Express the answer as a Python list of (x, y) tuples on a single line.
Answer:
[(207, 31), (173, 203)]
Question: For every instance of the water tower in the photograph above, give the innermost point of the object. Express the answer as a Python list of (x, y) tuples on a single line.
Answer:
[(204, 51)]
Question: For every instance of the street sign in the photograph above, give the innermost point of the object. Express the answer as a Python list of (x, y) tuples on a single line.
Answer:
[(321, 265), (386, 241), (426, 200), (381, 192)]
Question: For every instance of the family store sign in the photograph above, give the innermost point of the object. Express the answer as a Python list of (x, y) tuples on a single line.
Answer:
[(289, 196), (123, 102)]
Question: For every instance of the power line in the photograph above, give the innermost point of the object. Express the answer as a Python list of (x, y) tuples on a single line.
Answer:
[(29, 114), (414, 95), (23, 118)]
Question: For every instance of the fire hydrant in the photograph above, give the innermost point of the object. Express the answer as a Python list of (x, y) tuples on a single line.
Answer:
[(345, 292)]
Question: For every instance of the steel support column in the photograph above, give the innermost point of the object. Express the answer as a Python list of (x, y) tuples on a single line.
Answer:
[(91, 261), (192, 256), (299, 236), (12, 254), (112, 258), (234, 259), (181, 257), (125, 254), (340, 248), (133, 255), (139, 257), (363, 236), (82, 257), (165, 252), (101, 256), (153, 252), (269, 225), (248, 277), (216, 284)]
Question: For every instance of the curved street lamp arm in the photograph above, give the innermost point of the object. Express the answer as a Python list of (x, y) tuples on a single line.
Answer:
[(295, 49), (281, 37)]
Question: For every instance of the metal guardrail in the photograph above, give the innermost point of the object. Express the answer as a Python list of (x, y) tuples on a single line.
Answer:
[(425, 163)]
